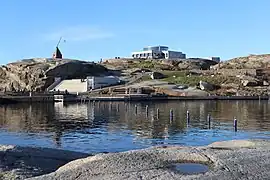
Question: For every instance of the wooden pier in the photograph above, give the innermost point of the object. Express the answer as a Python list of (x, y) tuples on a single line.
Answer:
[(135, 97)]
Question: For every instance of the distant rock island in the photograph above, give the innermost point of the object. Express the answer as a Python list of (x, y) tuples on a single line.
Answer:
[(238, 76)]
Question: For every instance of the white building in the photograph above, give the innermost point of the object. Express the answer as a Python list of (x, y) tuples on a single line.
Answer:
[(99, 82), (158, 52), (84, 85)]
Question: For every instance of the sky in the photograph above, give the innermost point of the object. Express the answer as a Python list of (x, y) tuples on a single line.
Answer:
[(98, 29)]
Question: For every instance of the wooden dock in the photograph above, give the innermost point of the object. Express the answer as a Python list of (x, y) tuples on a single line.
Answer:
[(138, 97)]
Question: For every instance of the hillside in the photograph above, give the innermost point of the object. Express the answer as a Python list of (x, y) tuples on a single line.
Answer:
[(246, 62), (159, 64), (37, 74)]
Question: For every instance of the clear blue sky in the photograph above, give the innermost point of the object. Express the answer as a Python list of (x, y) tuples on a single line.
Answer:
[(97, 29)]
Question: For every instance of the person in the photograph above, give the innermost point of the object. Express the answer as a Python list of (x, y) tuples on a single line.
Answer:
[(54, 55)]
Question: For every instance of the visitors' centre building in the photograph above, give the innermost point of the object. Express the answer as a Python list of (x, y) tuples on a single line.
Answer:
[(158, 52)]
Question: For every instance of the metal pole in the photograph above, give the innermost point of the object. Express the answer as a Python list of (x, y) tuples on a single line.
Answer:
[(188, 117), (235, 124), (171, 113), (59, 42), (136, 109), (209, 121)]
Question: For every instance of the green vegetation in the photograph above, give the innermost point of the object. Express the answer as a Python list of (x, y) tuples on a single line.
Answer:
[(143, 64), (145, 78), (181, 77), (175, 73)]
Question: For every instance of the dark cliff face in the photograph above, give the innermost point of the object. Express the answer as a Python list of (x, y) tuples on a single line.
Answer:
[(76, 69), (38, 74)]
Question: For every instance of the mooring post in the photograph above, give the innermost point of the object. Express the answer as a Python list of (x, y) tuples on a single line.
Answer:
[(136, 109), (110, 105), (188, 117), (126, 107), (157, 113), (209, 121), (171, 113), (235, 124), (146, 110)]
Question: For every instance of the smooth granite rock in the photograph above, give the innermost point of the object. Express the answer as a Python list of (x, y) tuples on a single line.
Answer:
[(244, 159), (24, 162)]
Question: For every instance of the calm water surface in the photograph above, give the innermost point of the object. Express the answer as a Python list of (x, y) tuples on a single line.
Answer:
[(113, 127)]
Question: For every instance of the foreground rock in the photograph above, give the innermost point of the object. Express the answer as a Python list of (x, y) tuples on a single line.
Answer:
[(25, 162), (226, 160)]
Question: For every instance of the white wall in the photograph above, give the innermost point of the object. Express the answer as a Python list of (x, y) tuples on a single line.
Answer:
[(98, 82), (72, 85), (137, 54)]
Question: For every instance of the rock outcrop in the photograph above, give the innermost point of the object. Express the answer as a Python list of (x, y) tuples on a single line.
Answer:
[(38, 74), (237, 159), (157, 75), (161, 64), (24, 162), (246, 62)]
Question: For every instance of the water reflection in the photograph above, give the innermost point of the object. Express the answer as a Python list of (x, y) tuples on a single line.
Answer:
[(103, 126)]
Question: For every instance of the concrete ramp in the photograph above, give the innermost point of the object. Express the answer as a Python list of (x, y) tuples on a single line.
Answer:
[(72, 85)]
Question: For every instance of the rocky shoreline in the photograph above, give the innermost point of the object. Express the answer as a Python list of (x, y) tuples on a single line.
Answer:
[(236, 159)]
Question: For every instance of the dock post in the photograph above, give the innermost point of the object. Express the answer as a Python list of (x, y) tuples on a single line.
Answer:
[(171, 114), (146, 110), (126, 107), (136, 109), (235, 124), (188, 117), (209, 121), (157, 113)]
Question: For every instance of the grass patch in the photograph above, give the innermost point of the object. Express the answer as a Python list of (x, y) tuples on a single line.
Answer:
[(143, 64), (146, 78), (175, 73), (180, 77)]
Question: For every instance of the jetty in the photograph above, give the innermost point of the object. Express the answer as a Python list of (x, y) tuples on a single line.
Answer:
[(66, 97)]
